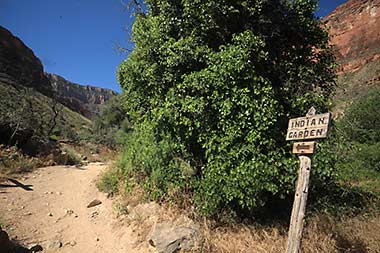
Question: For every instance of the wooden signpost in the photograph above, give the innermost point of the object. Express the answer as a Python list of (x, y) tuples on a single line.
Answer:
[(304, 128)]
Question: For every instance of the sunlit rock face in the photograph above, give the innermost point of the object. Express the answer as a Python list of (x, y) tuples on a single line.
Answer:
[(354, 28), (84, 99)]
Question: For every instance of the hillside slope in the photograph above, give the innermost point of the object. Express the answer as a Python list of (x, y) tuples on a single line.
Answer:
[(29, 114)]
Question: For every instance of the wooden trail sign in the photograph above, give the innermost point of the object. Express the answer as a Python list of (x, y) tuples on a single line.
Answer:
[(304, 147), (310, 127)]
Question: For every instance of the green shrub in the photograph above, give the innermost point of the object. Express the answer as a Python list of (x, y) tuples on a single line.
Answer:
[(153, 161), (69, 157), (369, 155), (112, 123), (209, 88), (359, 158), (361, 122), (110, 180), (359, 162), (12, 161)]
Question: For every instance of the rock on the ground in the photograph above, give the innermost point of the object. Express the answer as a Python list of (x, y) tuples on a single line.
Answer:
[(36, 248), (93, 203), (167, 237), (54, 245)]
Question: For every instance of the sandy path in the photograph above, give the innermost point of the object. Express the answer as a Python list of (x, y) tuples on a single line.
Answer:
[(55, 190)]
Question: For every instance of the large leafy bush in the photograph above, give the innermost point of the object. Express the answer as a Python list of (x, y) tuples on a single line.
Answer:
[(212, 84), (112, 124), (361, 122), (360, 128)]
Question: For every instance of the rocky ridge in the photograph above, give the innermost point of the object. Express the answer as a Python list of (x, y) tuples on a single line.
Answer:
[(19, 66), (354, 29), (84, 99)]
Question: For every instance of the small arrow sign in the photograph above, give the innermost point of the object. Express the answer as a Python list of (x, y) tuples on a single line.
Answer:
[(303, 147)]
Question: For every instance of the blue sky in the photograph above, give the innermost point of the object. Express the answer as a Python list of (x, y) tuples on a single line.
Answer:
[(77, 38)]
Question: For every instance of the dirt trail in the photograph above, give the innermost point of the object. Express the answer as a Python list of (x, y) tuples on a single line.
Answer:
[(52, 208)]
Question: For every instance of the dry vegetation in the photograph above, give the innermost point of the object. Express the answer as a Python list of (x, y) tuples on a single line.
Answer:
[(12, 161), (322, 233)]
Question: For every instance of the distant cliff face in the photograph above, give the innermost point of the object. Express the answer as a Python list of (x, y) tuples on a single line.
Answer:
[(84, 99), (19, 65), (355, 31)]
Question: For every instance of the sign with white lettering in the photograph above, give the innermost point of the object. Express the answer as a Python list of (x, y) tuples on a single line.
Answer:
[(309, 127)]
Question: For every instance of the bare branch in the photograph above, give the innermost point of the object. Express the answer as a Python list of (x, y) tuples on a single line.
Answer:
[(120, 49), (135, 5)]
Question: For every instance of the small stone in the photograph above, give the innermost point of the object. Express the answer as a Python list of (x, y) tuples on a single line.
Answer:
[(73, 243), (69, 211), (28, 214), (50, 214), (54, 245), (36, 248), (22, 207), (59, 193), (94, 214), (97, 239), (76, 216), (93, 203)]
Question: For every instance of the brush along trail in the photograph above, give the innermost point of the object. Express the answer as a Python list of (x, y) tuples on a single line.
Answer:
[(60, 209)]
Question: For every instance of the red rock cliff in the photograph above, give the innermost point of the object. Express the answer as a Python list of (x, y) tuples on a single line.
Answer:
[(355, 31)]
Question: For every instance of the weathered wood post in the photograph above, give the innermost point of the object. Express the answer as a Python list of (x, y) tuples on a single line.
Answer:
[(310, 127)]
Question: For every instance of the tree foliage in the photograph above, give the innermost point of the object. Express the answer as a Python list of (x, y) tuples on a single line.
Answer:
[(361, 122), (112, 123), (215, 82), (360, 128)]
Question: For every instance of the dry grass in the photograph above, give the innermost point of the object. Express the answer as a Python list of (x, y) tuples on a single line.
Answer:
[(93, 152), (13, 162), (321, 234)]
